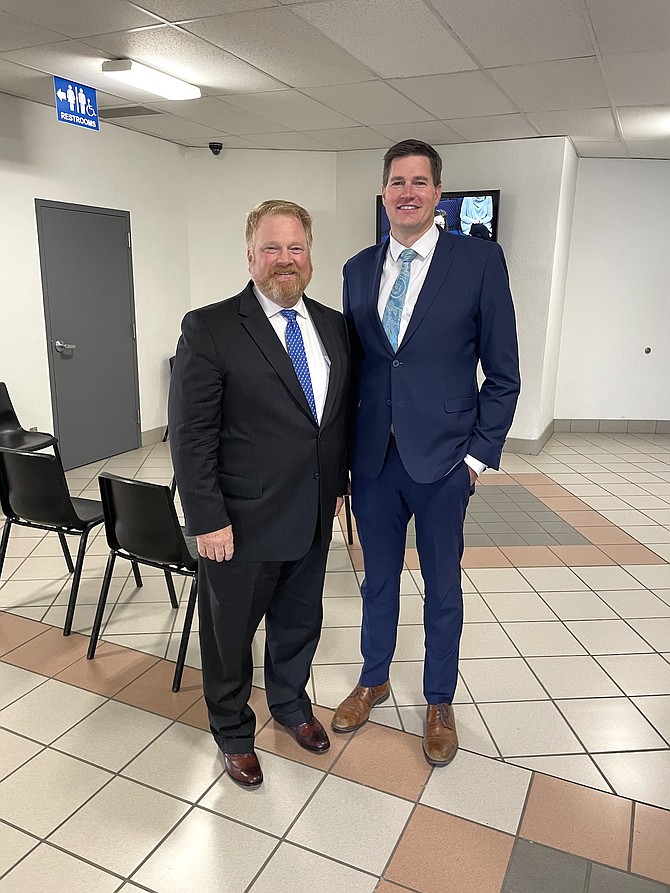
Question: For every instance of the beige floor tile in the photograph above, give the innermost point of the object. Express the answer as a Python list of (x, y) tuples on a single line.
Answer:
[(15, 750), (42, 569), (341, 583), (543, 638), (636, 603), (23, 593), (112, 735), (486, 640), (504, 579), (409, 645), (643, 775), (16, 682), (607, 578), (339, 646), (579, 768), (529, 728), (638, 674), (292, 868), (656, 632), (24, 800), (333, 682), (480, 789), (193, 857), (271, 807), (148, 643), (475, 609), (9, 567), (518, 606), (609, 724), (657, 710), (343, 611), (48, 866), (553, 579), (501, 679), (579, 676), (141, 617), (14, 844), (578, 606), (608, 636), (352, 824), (49, 710)]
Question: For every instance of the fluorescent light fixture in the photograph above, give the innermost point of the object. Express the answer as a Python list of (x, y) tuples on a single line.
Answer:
[(136, 75)]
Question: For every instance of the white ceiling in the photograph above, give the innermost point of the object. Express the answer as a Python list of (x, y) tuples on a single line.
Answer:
[(358, 74)]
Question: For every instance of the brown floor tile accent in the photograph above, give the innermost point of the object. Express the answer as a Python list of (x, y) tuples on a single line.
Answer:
[(582, 556), (534, 477), (152, 690), (412, 559), (565, 504), (578, 820), (651, 833), (606, 536), (543, 491), (276, 739), (498, 479), (439, 853), (386, 759), (15, 630), (584, 519), (484, 556), (633, 554), (385, 887), (49, 653), (113, 667), (197, 716), (531, 556)]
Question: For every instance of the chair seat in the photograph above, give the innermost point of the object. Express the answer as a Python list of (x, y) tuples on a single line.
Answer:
[(26, 440), (87, 509)]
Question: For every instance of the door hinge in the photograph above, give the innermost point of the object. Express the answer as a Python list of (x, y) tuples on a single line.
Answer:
[(138, 415), (129, 240)]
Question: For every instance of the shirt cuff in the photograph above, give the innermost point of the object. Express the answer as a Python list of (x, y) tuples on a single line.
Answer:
[(477, 466)]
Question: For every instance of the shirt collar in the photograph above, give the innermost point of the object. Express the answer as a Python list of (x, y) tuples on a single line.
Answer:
[(272, 309), (422, 246)]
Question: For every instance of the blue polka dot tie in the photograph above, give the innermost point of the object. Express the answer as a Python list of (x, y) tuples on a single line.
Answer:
[(396, 300), (296, 350)]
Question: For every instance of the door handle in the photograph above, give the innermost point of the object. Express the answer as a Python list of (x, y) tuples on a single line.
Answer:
[(61, 346)]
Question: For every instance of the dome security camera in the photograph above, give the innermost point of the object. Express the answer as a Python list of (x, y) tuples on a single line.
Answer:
[(215, 148)]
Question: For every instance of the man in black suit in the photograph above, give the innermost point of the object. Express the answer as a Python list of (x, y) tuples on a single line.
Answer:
[(257, 421)]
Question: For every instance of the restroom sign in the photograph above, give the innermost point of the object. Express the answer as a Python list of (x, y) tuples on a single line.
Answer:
[(76, 104)]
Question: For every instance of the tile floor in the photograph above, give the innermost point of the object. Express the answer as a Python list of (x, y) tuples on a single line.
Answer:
[(109, 781)]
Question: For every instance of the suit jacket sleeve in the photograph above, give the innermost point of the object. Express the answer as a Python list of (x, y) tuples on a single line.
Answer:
[(194, 419)]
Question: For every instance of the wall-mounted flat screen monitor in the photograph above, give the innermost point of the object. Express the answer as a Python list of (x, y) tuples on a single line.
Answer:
[(473, 214)]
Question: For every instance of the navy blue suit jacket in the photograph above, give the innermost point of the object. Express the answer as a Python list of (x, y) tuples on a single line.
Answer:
[(428, 390)]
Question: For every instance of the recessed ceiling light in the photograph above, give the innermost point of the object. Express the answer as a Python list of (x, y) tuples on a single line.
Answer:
[(149, 80)]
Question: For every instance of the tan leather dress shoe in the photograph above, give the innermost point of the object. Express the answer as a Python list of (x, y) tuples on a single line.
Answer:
[(355, 709), (440, 741)]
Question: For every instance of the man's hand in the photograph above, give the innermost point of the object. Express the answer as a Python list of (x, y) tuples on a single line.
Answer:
[(217, 545), (473, 475), (338, 505)]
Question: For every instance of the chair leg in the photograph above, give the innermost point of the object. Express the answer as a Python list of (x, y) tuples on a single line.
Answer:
[(4, 542), (137, 574), (165, 434), (347, 514), (170, 586), (100, 610), (66, 552), (76, 578), (186, 632), (173, 485)]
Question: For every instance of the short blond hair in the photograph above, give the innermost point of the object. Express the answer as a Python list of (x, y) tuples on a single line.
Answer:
[(276, 207)]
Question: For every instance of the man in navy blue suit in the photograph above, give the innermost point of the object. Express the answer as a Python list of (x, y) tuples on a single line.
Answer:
[(423, 309)]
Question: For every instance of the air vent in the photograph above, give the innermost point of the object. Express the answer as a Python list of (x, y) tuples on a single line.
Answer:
[(128, 111)]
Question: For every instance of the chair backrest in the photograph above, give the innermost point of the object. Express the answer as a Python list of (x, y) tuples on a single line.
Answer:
[(34, 489), (140, 519), (8, 418)]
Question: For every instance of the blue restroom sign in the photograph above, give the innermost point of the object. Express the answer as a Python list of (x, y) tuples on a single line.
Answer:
[(76, 104)]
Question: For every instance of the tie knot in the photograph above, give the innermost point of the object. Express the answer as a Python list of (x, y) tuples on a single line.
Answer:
[(408, 255), (290, 315)]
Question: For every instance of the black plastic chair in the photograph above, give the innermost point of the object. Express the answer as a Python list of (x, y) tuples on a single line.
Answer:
[(141, 525), (34, 493), (12, 435)]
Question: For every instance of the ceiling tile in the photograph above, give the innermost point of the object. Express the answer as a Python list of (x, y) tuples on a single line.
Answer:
[(374, 32), (20, 81), (434, 132), (373, 102), (588, 149), (460, 95), (622, 26), (352, 138), (170, 127), (15, 33), (283, 45), (639, 78), (182, 10), (645, 122), (79, 18), (221, 115), (493, 127), (580, 124), (293, 140), (229, 142), (554, 86), (518, 31), (187, 57), (649, 148), (292, 109)]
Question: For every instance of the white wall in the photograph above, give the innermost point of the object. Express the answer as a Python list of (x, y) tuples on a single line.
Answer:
[(617, 295), (115, 168)]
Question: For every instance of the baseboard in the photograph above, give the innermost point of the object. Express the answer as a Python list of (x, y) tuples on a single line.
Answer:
[(155, 435), (612, 426), (529, 447)]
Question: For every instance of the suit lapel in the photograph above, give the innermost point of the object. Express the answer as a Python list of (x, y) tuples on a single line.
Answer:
[(333, 348), (373, 291), (433, 283), (260, 329)]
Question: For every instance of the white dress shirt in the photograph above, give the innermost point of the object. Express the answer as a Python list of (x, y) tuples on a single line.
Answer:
[(317, 358), (424, 247)]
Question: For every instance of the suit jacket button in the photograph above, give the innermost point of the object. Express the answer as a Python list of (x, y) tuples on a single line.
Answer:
[(316, 475), (388, 402), (395, 363)]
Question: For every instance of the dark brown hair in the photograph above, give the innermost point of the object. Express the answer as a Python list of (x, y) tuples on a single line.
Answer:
[(413, 147)]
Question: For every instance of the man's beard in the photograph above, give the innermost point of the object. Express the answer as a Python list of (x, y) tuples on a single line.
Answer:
[(285, 292)]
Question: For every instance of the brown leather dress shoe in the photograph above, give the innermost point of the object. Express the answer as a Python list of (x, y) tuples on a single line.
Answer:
[(243, 768), (355, 709), (311, 735), (440, 741)]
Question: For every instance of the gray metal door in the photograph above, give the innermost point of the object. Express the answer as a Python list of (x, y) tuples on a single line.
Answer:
[(87, 283)]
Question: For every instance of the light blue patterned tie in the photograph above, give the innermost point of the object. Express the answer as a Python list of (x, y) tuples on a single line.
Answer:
[(393, 310), (296, 350)]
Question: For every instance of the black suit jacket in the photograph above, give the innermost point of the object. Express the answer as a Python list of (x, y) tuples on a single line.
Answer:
[(245, 446)]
